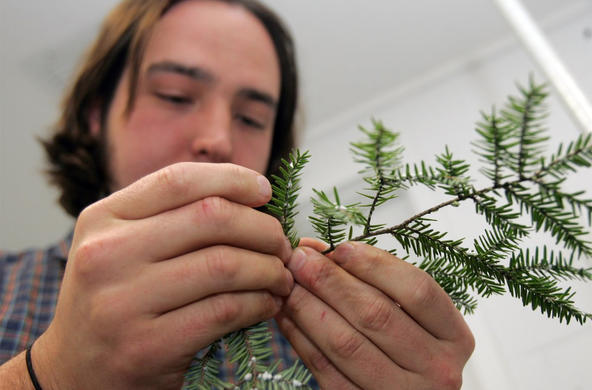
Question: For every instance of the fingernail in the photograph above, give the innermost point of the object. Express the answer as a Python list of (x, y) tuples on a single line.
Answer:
[(264, 187), (278, 301), (297, 260), (343, 252)]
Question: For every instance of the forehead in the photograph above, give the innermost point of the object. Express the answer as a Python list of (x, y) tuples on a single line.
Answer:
[(223, 38)]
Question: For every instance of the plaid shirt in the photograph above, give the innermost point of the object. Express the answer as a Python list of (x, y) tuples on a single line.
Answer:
[(29, 286)]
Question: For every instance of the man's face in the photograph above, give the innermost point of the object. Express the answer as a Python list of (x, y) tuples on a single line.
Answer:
[(207, 92)]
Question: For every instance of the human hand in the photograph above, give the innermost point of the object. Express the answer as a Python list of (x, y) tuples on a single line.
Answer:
[(362, 318), (159, 270)]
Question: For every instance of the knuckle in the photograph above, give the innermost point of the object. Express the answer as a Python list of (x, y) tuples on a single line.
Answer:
[(269, 308), (372, 255), (372, 258), (175, 178), (426, 291), (278, 266), (233, 175), (88, 259), (376, 315), (277, 238), (345, 344), (220, 265), (317, 276), (471, 345), (297, 301), (171, 177), (445, 371), (87, 214), (224, 309), (238, 181), (215, 209), (318, 362), (89, 217), (448, 377), (276, 230), (279, 276), (468, 343)]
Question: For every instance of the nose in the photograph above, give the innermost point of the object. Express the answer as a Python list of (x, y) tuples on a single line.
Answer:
[(212, 133)]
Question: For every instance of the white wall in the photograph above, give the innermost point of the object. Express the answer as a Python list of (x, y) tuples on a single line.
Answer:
[(349, 51), (516, 348)]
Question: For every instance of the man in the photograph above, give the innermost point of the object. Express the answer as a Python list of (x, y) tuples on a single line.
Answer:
[(178, 111)]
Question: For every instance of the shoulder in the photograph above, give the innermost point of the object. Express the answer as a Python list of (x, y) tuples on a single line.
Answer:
[(29, 287), (15, 259), (20, 267)]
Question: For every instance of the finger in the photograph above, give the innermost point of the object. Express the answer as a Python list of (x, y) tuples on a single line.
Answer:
[(351, 353), (197, 325), (178, 282), (417, 293), (313, 243), (366, 308), (210, 221), (183, 183), (327, 376)]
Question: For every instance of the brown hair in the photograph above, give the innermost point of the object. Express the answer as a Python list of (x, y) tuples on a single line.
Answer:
[(77, 159)]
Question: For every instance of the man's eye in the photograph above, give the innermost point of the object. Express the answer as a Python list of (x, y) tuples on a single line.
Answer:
[(250, 122), (175, 99)]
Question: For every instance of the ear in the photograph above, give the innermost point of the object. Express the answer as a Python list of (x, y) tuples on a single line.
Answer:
[(94, 120)]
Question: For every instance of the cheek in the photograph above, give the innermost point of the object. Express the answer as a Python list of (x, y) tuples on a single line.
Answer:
[(143, 145), (253, 151)]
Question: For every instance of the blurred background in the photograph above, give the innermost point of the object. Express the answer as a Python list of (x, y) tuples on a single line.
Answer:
[(425, 68)]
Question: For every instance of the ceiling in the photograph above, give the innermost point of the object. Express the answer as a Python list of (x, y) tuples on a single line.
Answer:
[(349, 51)]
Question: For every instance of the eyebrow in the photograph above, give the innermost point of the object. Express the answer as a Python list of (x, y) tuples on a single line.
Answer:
[(200, 74), (194, 72), (258, 96)]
